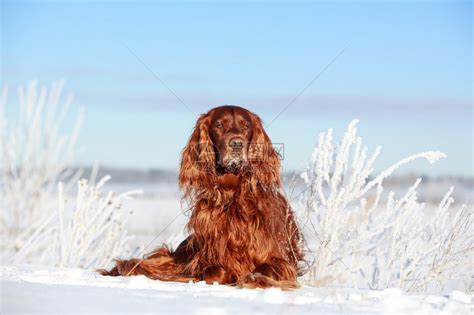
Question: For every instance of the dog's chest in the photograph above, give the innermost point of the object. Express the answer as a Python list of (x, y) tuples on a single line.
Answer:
[(242, 234), (239, 233)]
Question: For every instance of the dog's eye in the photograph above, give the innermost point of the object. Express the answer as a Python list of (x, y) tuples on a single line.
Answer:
[(219, 125), (246, 127)]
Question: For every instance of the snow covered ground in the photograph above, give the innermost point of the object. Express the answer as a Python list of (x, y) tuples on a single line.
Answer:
[(29, 289), (158, 218)]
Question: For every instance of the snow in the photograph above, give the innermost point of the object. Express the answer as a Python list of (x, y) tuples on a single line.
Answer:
[(28, 288)]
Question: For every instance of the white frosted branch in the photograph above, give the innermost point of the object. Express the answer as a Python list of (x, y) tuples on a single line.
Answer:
[(366, 240)]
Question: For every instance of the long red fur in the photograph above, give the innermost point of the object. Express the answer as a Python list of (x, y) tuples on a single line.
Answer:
[(242, 230)]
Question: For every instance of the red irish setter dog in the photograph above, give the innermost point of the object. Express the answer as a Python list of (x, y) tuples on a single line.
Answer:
[(242, 230)]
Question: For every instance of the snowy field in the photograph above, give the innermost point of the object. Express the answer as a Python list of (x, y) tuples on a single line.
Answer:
[(157, 218), (28, 289)]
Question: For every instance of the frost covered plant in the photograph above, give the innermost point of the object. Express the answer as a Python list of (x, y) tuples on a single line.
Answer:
[(88, 235), (36, 223), (34, 154), (359, 238)]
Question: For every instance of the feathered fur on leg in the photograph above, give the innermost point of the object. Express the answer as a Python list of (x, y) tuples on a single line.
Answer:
[(159, 265)]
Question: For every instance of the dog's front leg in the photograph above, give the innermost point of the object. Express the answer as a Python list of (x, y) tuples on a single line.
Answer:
[(218, 274), (277, 272)]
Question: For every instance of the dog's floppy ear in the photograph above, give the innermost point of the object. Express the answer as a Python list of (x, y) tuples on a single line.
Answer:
[(198, 158), (264, 159)]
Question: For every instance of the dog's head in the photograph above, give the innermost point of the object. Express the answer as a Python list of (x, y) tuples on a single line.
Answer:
[(229, 140), (231, 131)]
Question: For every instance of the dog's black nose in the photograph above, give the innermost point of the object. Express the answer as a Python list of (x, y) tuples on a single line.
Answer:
[(236, 143)]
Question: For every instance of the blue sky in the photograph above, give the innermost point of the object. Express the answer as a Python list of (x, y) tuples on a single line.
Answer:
[(406, 73)]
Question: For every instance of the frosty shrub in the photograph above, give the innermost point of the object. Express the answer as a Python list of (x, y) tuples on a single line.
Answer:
[(90, 234), (357, 236), (35, 154)]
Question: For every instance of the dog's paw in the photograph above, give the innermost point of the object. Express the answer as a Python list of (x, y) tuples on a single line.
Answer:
[(256, 280)]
